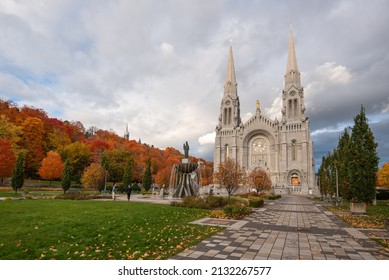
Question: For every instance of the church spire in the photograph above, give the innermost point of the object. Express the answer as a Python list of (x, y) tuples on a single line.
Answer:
[(230, 77), (292, 75), (230, 85)]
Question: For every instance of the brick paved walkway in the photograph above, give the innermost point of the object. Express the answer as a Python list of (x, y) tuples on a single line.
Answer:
[(290, 228)]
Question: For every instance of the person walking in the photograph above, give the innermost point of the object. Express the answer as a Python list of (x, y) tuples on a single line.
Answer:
[(128, 191), (113, 191)]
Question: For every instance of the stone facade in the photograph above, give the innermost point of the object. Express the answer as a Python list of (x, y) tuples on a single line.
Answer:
[(283, 148)]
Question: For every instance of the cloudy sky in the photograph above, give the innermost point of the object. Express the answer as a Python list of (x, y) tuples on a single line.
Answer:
[(160, 65)]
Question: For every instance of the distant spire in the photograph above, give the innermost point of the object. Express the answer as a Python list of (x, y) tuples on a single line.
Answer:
[(292, 75)]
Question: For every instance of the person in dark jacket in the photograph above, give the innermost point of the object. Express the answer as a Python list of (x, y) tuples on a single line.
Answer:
[(128, 191)]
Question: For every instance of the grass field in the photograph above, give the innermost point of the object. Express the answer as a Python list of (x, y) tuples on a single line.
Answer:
[(67, 229)]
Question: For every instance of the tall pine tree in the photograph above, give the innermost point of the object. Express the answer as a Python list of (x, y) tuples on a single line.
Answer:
[(363, 160), (127, 176), (147, 179), (17, 180), (66, 176)]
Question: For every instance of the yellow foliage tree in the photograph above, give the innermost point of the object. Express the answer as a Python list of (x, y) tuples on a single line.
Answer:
[(383, 176), (93, 177)]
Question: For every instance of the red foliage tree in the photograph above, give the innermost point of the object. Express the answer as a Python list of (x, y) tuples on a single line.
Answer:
[(7, 160)]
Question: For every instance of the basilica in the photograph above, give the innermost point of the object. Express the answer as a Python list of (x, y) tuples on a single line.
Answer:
[(281, 147)]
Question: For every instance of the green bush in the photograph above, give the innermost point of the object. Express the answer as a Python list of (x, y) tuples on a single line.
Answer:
[(256, 203), (216, 201), (236, 212), (191, 202), (273, 197)]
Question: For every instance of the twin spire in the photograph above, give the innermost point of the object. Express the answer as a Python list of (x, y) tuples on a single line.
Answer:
[(292, 75)]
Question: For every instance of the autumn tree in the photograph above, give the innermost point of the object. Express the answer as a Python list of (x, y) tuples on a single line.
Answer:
[(9, 131), (259, 179), (363, 160), (163, 176), (93, 177), (17, 180), (383, 176), (7, 160), (51, 168), (79, 156), (147, 177), (34, 144), (229, 175), (114, 161)]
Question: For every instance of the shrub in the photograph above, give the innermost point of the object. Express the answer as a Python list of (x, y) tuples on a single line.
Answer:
[(273, 197), (236, 212), (191, 202), (77, 196), (218, 214), (256, 203), (216, 201)]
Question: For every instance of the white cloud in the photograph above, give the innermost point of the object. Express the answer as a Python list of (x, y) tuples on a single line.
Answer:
[(337, 74), (166, 48), (208, 138), (275, 110)]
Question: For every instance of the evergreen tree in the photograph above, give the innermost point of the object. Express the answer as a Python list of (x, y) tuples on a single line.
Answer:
[(325, 180), (147, 179), (66, 176), (127, 176), (363, 160), (342, 160), (18, 173)]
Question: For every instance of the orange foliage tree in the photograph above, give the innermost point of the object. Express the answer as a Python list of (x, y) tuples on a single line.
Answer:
[(7, 160), (34, 143), (230, 176), (383, 176), (259, 179), (51, 168)]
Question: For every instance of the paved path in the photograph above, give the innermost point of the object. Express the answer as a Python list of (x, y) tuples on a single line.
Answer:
[(290, 228)]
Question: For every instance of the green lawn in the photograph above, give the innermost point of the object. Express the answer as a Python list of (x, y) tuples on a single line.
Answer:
[(67, 229), (375, 217)]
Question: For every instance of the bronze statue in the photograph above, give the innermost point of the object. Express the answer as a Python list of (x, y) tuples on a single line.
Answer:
[(186, 149)]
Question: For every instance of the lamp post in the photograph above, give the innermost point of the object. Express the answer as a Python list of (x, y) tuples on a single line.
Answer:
[(337, 189)]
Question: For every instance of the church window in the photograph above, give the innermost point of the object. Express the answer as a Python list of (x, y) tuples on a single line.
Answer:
[(290, 108), (225, 116), (229, 115), (295, 108), (293, 150)]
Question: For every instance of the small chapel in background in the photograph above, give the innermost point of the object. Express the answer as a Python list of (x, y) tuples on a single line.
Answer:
[(283, 147)]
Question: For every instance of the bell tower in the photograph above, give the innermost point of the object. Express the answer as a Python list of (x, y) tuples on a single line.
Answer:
[(293, 105), (229, 108)]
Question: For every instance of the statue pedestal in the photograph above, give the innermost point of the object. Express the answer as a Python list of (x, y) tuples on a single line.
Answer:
[(185, 160)]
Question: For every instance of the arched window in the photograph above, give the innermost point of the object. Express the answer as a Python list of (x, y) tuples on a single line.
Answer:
[(293, 151), (229, 115)]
